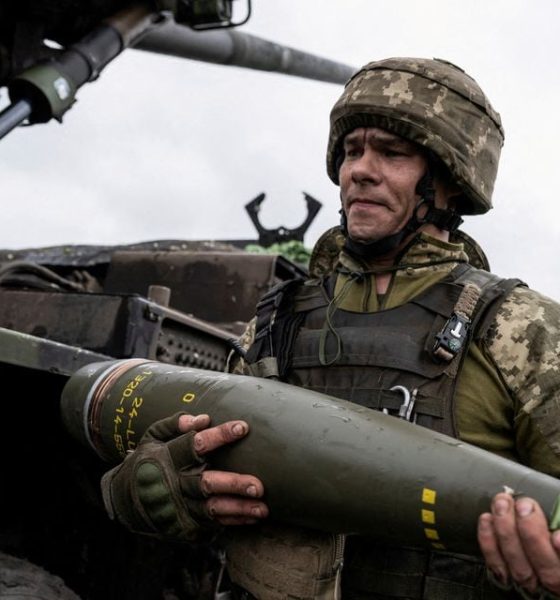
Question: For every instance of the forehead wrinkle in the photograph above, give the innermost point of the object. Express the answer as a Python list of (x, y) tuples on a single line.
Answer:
[(369, 134)]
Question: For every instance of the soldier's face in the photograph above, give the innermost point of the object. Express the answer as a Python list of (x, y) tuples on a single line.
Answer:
[(378, 179)]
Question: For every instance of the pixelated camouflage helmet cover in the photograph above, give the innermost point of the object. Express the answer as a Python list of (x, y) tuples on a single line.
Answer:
[(433, 103)]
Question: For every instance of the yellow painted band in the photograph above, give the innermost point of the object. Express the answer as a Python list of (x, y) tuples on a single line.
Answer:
[(431, 534), (428, 516), (428, 496)]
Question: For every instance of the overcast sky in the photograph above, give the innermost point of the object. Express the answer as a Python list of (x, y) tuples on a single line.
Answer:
[(164, 148)]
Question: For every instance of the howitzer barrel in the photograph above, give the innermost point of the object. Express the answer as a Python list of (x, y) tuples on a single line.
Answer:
[(325, 463), (228, 47)]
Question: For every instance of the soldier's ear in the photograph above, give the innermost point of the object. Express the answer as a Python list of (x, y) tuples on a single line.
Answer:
[(447, 193)]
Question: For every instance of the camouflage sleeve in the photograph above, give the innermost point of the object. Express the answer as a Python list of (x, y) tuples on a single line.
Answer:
[(235, 363), (524, 343)]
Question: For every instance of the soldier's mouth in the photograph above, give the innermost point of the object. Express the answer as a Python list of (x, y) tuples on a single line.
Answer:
[(366, 202)]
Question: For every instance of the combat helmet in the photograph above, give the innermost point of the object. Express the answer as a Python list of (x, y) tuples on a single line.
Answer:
[(433, 103)]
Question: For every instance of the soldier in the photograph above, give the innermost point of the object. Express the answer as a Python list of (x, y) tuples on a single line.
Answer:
[(392, 301)]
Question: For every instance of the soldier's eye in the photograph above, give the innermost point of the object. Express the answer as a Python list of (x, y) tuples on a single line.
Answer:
[(352, 153)]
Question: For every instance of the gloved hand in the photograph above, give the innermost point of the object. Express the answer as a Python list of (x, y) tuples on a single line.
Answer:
[(157, 489)]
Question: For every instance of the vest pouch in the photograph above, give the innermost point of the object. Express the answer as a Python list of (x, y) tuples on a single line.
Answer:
[(378, 572), (274, 562)]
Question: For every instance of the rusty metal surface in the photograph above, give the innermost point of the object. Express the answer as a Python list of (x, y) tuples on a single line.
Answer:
[(88, 255), (215, 286), (90, 321)]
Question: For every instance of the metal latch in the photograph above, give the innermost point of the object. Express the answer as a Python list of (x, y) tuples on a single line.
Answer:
[(406, 408)]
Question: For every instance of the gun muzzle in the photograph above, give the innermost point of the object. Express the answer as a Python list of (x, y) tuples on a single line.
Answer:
[(325, 463)]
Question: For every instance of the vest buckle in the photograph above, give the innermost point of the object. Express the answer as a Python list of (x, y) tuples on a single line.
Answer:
[(451, 339)]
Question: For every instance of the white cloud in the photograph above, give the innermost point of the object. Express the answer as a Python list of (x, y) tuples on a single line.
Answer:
[(167, 148)]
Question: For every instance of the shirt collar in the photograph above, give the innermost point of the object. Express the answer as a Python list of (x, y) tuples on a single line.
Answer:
[(424, 250)]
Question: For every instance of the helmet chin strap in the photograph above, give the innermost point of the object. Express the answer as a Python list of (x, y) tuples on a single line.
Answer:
[(446, 219)]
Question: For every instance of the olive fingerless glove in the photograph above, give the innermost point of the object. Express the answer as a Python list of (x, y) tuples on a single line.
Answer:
[(156, 490)]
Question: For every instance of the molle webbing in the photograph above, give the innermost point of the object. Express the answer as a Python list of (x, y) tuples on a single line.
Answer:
[(275, 329)]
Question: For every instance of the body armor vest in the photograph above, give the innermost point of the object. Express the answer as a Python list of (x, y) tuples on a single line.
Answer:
[(382, 355), (387, 361)]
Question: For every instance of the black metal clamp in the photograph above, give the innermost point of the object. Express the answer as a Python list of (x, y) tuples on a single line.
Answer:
[(267, 237)]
